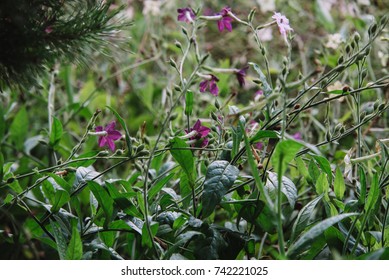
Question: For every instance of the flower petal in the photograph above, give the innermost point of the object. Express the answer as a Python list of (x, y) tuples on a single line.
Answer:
[(114, 135), (102, 141), (203, 85), (110, 126), (98, 128), (111, 145)]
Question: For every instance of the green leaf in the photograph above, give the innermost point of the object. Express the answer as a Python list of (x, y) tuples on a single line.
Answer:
[(19, 128), (102, 196), (59, 240), (220, 176), (146, 240), (124, 126), (288, 188), (302, 168), (308, 238), (362, 191), (74, 251), (322, 185), (60, 198), (184, 157), (324, 165), (373, 195), (261, 134), (284, 153), (304, 217), (56, 132), (158, 186), (188, 103), (265, 85), (185, 189), (314, 171), (339, 185)]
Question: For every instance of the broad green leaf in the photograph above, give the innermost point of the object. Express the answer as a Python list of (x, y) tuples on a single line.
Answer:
[(284, 153), (304, 217), (56, 133), (122, 201), (146, 238), (302, 168), (124, 126), (60, 198), (181, 240), (322, 186), (220, 176), (184, 157), (307, 238), (287, 187), (261, 134), (19, 128), (185, 189), (265, 85), (74, 251), (314, 171), (59, 240), (158, 186), (339, 185), (373, 195), (102, 196), (188, 103), (61, 183), (324, 165)]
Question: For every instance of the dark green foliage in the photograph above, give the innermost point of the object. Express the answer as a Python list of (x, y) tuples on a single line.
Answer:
[(36, 34)]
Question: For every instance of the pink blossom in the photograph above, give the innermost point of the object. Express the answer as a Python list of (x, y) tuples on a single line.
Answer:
[(186, 14), (201, 136), (283, 24), (211, 84), (110, 136), (225, 21), (241, 74)]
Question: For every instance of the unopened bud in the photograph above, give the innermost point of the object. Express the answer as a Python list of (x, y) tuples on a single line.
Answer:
[(217, 104), (178, 44)]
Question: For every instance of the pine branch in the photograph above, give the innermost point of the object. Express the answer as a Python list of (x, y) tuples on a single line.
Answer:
[(34, 34)]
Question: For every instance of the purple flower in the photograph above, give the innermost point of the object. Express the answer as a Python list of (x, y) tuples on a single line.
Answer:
[(283, 23), (241, 74), (186, 14), (297, 136), (211, 84), (259, 146), (225, 21), (110, 136), (200, 137)]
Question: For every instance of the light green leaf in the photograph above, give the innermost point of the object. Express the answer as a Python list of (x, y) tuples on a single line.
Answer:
[(220, 176), (265, 85), (74, 251), (284, 153), (146, 240), (324, 165), (288, 188), (308, 238), (184, 157), (322, 185), (261, 134), (373, 195), (102, 196), (56, 133), (339, 185), (362, 191), (302, 168), (19, 128), (158, 186)]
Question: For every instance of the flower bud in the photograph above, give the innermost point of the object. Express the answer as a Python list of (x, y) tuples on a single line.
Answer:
[(217, 104), (357, 37)]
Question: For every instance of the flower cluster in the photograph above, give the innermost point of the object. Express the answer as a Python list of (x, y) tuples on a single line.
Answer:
[(210, 84)]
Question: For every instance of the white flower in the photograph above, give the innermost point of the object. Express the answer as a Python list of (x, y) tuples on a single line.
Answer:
[(334, 40)]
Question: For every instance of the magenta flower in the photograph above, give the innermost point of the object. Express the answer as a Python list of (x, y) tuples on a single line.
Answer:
[(200, 137), (186, 14), (283, 24), (297, 136), (241, 74), (225, 21), (109, 137), (211, 84)]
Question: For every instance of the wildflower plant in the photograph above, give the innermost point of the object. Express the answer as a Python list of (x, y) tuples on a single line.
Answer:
[(254, 155)]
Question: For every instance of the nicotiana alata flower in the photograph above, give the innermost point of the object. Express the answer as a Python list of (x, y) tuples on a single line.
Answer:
[(241, 74), (108, 135), (198, 134), (225, 21), (210, 84), (186, 15), (283, 24)]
